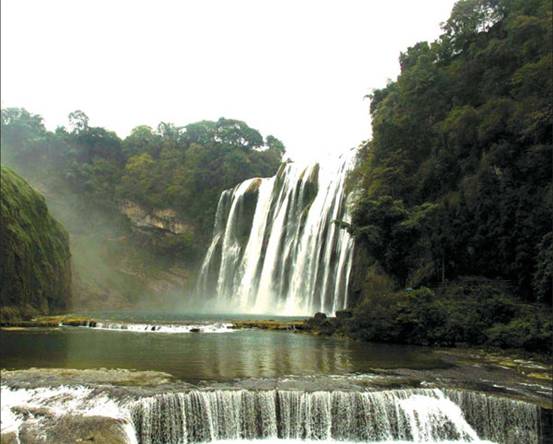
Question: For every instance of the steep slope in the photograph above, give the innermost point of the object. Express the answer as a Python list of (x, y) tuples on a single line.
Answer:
[(35, 270), (457, 178)]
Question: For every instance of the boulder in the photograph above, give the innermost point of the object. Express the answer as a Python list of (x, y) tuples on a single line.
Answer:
[(70, 429), (327, 327), (9, 438), (319, 317), (343, 315)]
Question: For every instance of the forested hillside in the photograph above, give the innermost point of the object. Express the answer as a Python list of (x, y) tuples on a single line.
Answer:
[(457, 179), (35, 268), (139, 210)]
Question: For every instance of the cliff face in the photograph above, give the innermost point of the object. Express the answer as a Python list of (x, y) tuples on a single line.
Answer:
[(164, 220), (135, 257), (35, 269)]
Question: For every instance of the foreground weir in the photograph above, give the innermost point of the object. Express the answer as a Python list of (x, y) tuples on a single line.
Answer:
[(415, 415), (119, 406)]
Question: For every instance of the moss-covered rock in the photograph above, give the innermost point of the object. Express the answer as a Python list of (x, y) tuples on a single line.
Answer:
[(69, 429), (35, 269)]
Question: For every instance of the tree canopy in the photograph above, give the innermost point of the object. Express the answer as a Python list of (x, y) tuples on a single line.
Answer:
[(183, 168), (457, 177)]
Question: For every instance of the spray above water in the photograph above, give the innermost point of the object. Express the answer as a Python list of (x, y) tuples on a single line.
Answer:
[(276, 246)]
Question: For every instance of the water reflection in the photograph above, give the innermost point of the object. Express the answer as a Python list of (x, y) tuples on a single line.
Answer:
[(194, 357)]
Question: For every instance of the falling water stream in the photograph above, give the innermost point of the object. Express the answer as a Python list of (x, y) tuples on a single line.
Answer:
[(277, 245), (408, 415)]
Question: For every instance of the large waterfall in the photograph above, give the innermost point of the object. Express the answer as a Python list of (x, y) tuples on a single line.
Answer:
[(276, 246)]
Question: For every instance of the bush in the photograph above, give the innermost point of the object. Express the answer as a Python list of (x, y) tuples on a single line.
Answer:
[(529, 333), (469, 311), (9, 314)]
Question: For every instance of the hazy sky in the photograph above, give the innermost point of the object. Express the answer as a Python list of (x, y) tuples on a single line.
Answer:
[(296, 69)]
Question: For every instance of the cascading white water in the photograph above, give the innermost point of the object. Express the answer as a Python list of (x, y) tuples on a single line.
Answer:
[(206, 327), (194, 416), (420, 415), (276, 246)]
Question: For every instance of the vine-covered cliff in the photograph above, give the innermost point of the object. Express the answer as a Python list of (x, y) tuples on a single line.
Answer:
[(35, 269)]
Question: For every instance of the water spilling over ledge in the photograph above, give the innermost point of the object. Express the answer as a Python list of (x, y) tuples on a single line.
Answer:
[(417, 415), (276, 247), (408, 415), (167, 328)]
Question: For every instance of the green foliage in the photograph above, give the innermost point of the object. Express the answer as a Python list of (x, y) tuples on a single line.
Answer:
[(543, 277), (274, 144), (465, 134), (184, 168), (35, 272), (389, 230), (88, 174), (468, 311)]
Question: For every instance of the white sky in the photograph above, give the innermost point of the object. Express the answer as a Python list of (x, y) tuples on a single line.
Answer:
[(297, 69)]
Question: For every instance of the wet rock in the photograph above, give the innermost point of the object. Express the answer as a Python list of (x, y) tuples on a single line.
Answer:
[(343, 315), (546, 422), (9, 438), (327, 327), (35, 377), (319, 317), (269, 325), (74, 429), (31, 412), (194, 330)]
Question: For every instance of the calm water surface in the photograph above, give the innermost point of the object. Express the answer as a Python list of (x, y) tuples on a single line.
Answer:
[(205, 356)]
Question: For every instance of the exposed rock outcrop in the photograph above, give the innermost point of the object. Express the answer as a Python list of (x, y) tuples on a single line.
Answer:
[(165, 219)]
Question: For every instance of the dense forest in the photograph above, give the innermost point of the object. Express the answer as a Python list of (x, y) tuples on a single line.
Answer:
[(35, 270), (90, 177), (456, 186)]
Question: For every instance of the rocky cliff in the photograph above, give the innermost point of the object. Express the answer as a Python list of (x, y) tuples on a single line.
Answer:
[(163, 220), (35, 269)]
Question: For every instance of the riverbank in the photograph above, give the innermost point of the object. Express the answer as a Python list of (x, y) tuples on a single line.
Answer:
[(339, 326), (49, 322), (70, 320)]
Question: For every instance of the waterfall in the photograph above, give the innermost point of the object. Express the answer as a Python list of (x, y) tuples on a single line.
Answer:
[(276, 246), (417, 415), (193, 416)]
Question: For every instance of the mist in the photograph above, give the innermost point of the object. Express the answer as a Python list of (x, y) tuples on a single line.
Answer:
[(139, 211)]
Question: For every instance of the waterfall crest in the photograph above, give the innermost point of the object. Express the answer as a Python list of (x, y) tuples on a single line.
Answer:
[(418, 415), (276, 246)]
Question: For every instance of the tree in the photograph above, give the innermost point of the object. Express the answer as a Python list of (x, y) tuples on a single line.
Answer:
[(274, 144), (465, 129), (142, 139), (78, 121)]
